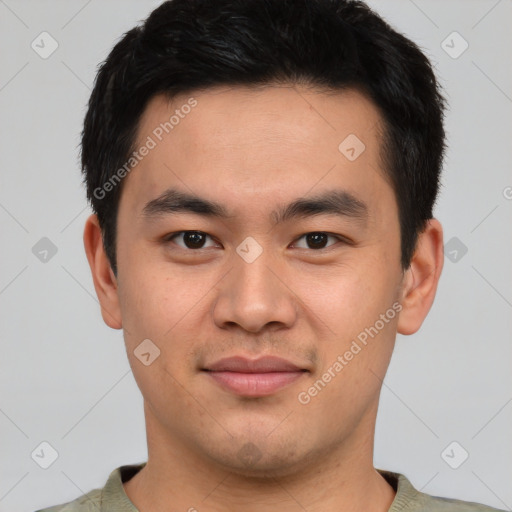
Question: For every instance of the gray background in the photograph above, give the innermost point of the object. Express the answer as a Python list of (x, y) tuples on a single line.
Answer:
[(65, 378)]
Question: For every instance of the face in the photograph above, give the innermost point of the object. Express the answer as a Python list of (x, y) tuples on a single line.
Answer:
[(258, 249)]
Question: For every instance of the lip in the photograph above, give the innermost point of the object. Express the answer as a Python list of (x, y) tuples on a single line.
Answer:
[(254, 377)]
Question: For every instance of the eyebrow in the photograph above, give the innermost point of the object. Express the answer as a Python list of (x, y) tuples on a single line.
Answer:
[(334, 202)]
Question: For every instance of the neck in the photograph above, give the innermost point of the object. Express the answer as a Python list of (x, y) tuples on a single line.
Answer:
[(343, 478)]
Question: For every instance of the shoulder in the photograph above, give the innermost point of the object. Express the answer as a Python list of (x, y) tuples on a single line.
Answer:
[(111, 497), (87, 503), (437, 503), (409, 499)]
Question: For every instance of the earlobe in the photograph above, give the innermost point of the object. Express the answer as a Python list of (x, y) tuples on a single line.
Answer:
[(105, 282), (421, 278)]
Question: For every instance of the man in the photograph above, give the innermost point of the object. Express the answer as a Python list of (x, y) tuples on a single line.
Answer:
[(263, 175)]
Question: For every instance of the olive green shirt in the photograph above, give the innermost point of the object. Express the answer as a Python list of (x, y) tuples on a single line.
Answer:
[(112, 497)]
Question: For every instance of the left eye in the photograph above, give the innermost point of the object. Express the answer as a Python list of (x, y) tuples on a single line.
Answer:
[(191, 239), (317, 240)]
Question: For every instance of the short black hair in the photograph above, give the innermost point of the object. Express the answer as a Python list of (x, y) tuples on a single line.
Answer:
[(187, 45)]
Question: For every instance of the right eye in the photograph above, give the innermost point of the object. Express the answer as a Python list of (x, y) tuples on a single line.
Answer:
[(189, 239)]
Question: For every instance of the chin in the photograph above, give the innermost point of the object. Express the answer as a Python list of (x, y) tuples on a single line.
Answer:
[(262, 460)]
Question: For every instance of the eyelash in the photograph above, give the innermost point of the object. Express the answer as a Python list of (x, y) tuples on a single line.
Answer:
[(170, 238)]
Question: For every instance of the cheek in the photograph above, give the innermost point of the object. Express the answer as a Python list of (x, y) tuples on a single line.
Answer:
[(349, 298), (142, 301), (349, 378), (170, 312), (154, 296), (154, 310), (360, 308)]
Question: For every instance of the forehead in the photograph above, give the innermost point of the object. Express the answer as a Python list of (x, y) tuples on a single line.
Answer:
[(269, 115), (257, 143)]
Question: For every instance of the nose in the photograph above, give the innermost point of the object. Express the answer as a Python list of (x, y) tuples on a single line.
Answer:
[(254, 297)]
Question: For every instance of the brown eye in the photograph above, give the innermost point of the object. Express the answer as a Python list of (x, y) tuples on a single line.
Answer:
[(190, 239), (316, 240)]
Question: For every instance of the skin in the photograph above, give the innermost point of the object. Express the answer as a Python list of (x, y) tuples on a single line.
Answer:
[(253, 151)]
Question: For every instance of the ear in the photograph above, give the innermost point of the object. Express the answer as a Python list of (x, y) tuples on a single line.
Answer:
[(420, 280), (105, 282)]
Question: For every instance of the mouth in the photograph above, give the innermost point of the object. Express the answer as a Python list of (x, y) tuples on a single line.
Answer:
[(254, 377)]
